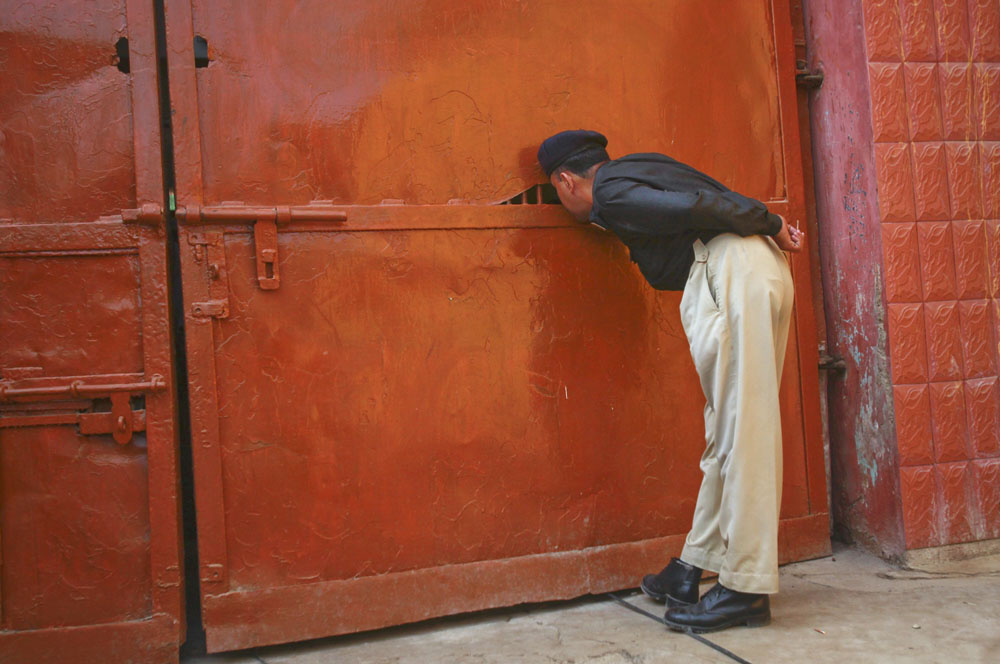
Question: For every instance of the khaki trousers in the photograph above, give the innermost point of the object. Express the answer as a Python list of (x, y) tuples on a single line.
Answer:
[(736, 310)]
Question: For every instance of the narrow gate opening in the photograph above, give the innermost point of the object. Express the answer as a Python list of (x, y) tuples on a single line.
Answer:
[(537, 194)]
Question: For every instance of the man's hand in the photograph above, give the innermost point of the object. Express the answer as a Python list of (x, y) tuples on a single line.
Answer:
[(789, 238)]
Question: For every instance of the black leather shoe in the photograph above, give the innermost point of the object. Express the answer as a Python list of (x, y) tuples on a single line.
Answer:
[(720, 608), (677, 584)]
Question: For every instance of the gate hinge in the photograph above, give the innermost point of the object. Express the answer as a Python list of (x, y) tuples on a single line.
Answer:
[(831, 363), (210, 248), (807, 78), (210, 309)]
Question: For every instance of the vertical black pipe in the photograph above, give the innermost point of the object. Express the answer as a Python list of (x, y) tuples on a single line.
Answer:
[(195, 643)]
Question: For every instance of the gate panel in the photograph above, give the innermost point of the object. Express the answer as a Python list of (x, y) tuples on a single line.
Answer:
[(434, 101), (99, 331), (73, 557), (67, 152), (88, 481), (404, 392)]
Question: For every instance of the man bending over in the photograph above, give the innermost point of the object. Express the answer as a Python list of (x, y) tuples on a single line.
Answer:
[(687, 232)]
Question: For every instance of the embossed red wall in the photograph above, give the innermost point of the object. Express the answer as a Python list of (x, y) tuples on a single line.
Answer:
[(931, 98)]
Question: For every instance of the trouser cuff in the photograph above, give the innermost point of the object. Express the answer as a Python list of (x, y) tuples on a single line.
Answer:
[(694, 555), (760, 584)]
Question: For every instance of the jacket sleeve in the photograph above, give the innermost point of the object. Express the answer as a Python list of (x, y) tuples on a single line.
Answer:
[(642, 210)]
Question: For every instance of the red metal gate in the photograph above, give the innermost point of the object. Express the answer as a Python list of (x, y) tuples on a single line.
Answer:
[(88, 481), (406, 401)]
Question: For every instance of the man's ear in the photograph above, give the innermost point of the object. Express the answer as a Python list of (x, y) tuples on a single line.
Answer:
[(567, 181)]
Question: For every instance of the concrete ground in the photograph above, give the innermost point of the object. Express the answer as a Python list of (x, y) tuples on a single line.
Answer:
[(851, 607)]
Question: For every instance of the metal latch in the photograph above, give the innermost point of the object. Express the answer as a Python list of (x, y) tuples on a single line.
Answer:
[(806, 78), (121, 422), (146, 213), (265, 232), (265, 240)]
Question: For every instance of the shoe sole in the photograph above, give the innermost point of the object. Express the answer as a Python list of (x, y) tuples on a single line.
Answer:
[(753, 621), (659, 597), (662, 597)]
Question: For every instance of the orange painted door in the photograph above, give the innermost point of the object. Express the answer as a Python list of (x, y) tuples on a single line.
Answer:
[(408, 401), (89, 527)]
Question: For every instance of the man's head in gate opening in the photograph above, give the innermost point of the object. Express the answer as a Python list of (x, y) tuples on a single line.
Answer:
[(570, 159)]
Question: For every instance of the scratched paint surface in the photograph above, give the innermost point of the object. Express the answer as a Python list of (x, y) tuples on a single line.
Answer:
[(76, 550), (97, 332), (88, 527), (65, 123), (475, 395), (74, 518), (436, 100), (479, 404)]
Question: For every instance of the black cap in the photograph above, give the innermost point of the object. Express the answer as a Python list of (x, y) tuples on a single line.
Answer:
[(556, 149)]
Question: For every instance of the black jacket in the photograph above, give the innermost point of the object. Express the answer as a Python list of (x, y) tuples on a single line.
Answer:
[(658, 207)]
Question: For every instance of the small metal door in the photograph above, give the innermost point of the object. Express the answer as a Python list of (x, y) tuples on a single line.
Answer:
[(408, 401), (88, 481)]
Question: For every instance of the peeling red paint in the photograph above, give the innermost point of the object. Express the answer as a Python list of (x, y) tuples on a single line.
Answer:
[(851, 177)]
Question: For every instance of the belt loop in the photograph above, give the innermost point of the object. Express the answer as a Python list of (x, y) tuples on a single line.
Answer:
[(700, 252)]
